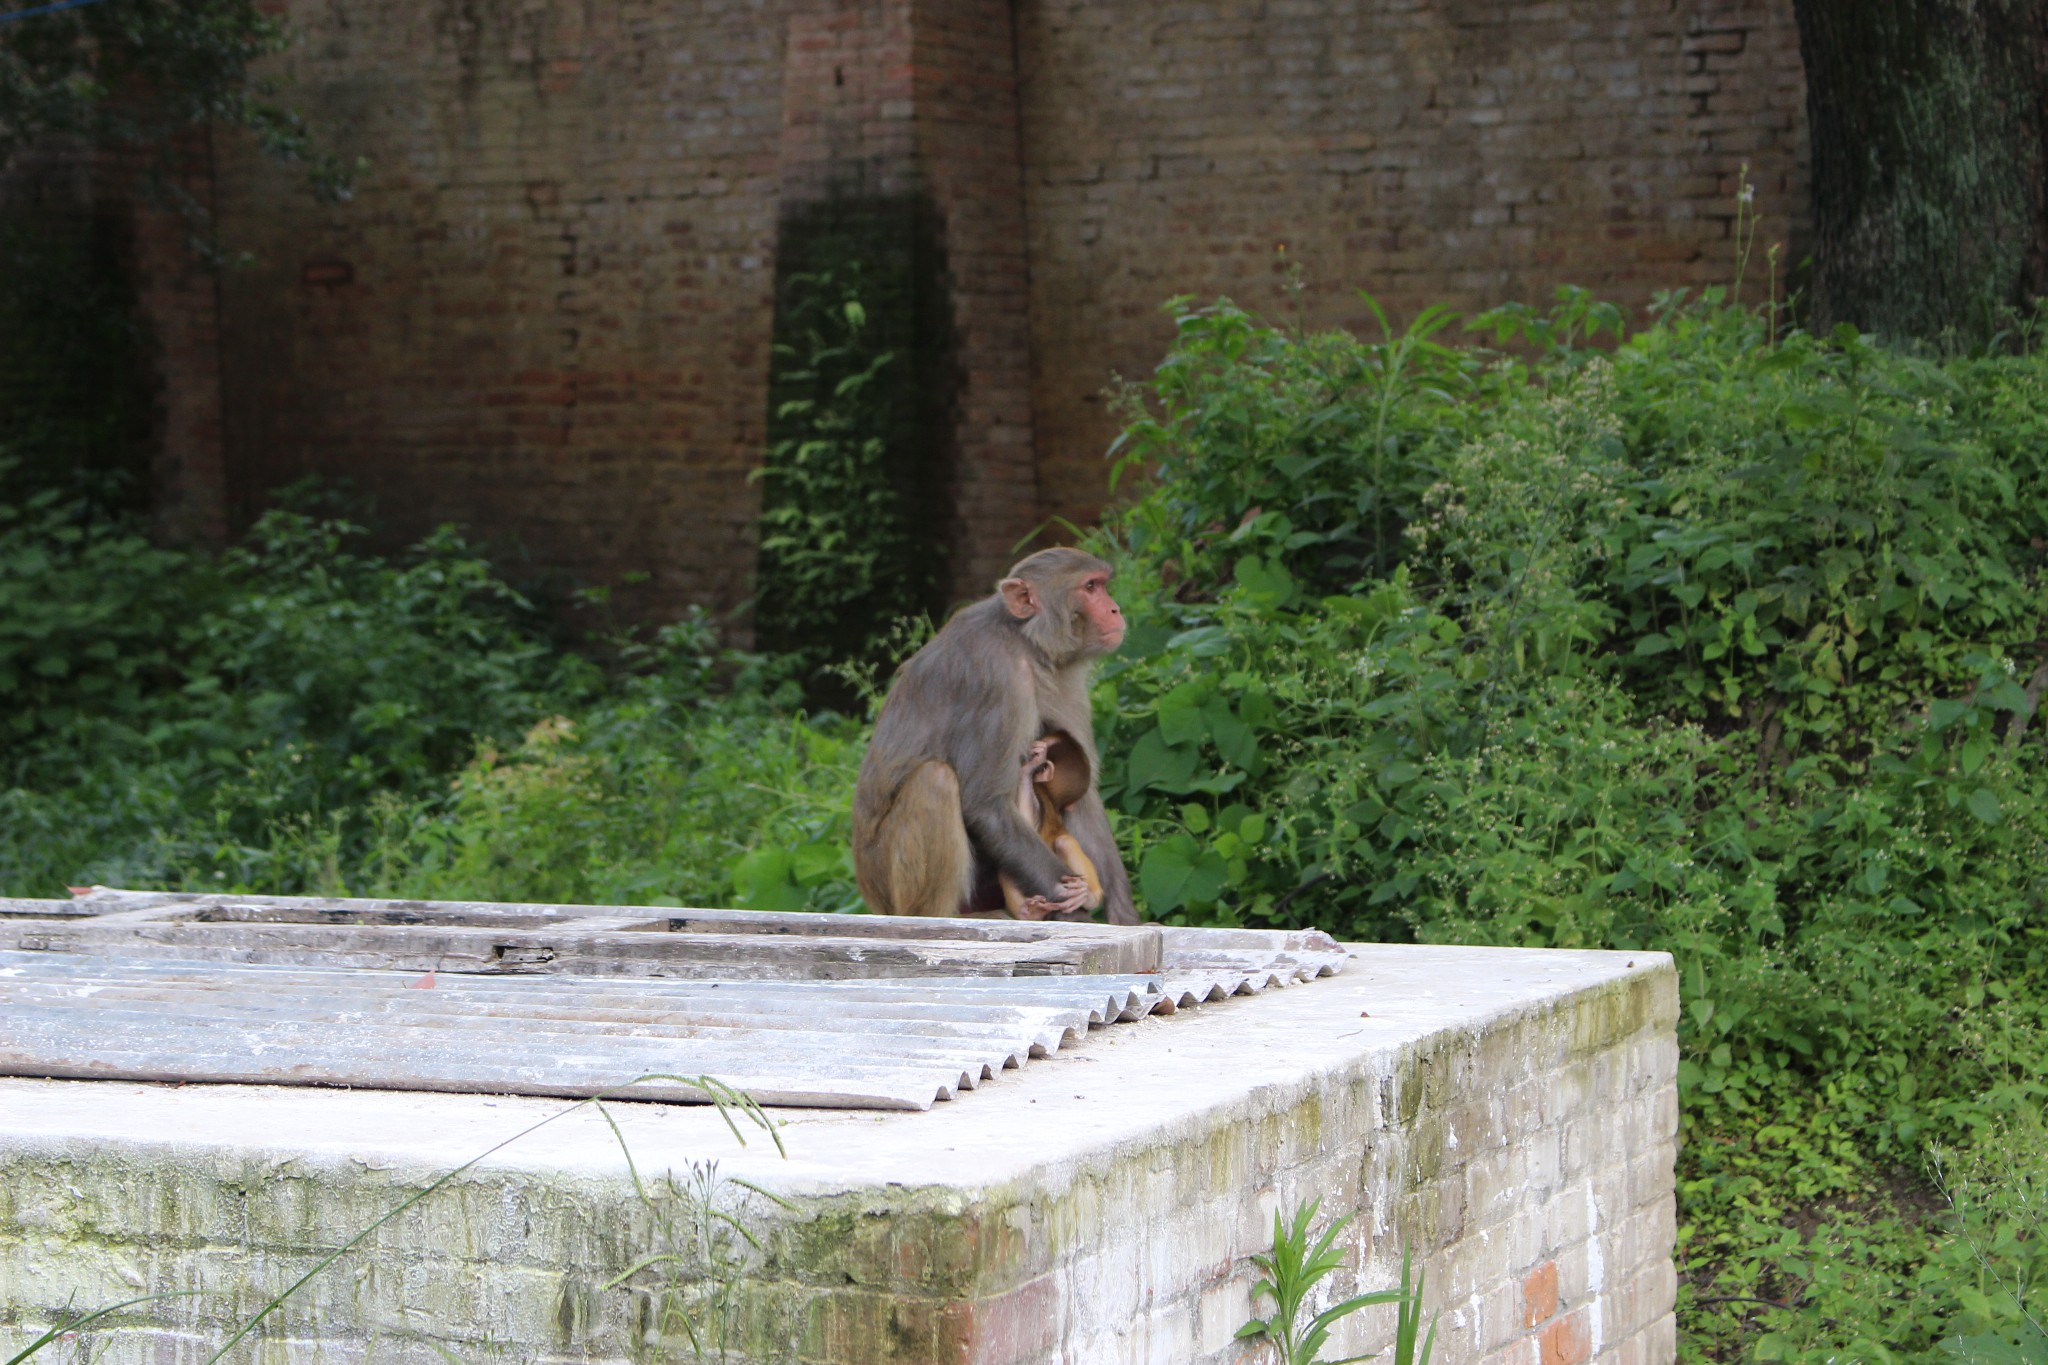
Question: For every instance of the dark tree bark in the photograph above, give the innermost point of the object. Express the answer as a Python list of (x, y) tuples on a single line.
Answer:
[(1929, 122)]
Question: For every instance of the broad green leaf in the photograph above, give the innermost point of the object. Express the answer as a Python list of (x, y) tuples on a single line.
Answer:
[(1232, 737), (1155, 763), (1945, 712), (762, 881), (1399, 773), (2023, 1345), (1164, 874), (1202, 642), (1265, 583), (1180, 715)]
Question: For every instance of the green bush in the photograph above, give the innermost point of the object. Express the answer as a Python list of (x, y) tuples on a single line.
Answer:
[(847, 502), (660, 792), (1697, 640), (300, 716)]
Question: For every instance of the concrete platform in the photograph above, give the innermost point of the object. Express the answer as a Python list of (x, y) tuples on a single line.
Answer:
[(1511, 1114)]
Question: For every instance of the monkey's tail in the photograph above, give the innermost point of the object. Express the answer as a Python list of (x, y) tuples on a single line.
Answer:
[(913, 858)]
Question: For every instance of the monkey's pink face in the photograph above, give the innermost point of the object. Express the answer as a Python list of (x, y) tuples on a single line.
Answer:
[(1105, 618)]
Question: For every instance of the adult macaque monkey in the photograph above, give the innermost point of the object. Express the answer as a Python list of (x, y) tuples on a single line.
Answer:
[(938, 803)]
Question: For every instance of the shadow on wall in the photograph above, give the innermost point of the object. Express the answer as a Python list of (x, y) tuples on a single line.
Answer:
[(856, 521)]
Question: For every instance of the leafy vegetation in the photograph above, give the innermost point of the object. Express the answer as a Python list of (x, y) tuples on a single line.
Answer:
[(1289, 1275), (849, 489), (138, 73), (302, 717), (1693, 640), (1700, 638)]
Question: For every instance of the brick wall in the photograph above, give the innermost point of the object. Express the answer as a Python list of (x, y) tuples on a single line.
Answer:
[(1453, 151), (547, 314), (148, 205), (181, 292), (902, 114), (966, 84)]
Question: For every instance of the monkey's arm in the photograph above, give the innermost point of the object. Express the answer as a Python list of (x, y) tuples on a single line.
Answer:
[(1000, 833), (1088, 822)]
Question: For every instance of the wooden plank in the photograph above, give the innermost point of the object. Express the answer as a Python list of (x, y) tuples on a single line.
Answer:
[(1141, 953), (569, 948), (33, 909)]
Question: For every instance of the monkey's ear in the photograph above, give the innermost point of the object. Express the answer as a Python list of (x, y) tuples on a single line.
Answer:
[(1019, 597)]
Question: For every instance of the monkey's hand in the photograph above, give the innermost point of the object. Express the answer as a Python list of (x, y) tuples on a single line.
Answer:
[(1074, 895)]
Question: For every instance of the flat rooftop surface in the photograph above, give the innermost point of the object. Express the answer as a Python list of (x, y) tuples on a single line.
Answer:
[(1119, 1085)]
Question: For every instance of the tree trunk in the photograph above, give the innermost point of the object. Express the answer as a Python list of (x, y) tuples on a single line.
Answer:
[(1930, 183)]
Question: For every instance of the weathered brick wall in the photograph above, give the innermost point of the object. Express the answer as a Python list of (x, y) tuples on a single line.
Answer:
[(180, 290), (546, 313), (1520, 1143), (1457, 151), (152, 202), (902, 115), (966, 89)]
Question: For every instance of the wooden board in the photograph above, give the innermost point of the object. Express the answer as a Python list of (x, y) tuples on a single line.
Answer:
[(581, 940)]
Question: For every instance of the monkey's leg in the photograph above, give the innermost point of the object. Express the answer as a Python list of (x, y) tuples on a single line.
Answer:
[(1089, 824), (1069, 849), (918, 861)]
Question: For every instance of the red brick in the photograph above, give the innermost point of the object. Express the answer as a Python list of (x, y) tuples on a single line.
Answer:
[(1539, 1295), (1566, 1340)]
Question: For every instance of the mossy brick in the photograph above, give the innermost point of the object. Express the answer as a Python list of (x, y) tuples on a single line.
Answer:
[(856, 1324)]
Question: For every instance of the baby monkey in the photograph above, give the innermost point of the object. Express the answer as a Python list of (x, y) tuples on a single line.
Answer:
[(1055, 775)]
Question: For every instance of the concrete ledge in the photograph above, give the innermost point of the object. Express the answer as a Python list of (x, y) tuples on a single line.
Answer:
[(1512, 1114)]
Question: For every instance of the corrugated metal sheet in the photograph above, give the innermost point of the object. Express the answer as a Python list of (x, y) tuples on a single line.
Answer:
[(881, 1042)]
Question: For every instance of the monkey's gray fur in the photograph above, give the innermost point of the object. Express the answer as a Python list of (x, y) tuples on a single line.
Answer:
[(940, 777)]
